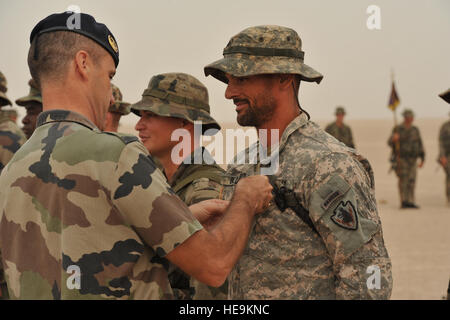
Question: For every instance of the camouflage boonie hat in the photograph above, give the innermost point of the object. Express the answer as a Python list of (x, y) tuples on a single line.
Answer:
[(177, 95), (119, 106), (263, 50), (408, 113), (34, 95), (4, 100), (445, 95), (340, 110)]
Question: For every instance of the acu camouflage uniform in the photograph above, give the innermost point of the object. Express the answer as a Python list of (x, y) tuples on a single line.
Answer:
[(181, 95), (342, 133), (11, 139), (410, 149), (286, 258), (75, 196)]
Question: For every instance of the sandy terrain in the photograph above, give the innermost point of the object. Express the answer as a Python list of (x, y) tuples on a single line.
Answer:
[(418, 241)]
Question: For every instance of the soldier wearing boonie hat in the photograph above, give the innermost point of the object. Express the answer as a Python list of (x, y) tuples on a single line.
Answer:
[(407, 136), (33, 105), (324, 221), (116, 110), (339, 129), (171, 101), (11, 139)]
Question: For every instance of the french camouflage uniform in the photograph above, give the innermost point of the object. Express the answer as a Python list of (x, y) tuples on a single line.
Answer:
[(119, 106), (85, 214), (342, 133), (198, 177), (328, 249), (410, 148), (11, 139)]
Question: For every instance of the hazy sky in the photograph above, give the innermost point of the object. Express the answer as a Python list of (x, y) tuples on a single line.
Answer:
[(184, 36)]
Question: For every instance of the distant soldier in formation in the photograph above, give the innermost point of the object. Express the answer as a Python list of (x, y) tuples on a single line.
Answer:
[(174, 101), (116, 110), (33, 105), (340, 130), (444, 148), (323, 233), (11, 139), (407, 147)]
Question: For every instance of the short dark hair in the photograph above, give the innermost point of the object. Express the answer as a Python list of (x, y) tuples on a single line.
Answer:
[(51, 52)]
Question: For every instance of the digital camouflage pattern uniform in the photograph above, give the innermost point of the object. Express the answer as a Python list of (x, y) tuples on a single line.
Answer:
[(285, 257), (76, 197), (342, 133), (198, 177), (410, 149), (119, 106), (11, 139)]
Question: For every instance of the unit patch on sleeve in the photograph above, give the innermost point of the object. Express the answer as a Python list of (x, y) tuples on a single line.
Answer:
[(345, 216)]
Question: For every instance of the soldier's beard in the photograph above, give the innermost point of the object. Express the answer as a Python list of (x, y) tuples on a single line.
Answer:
[(255, 115)]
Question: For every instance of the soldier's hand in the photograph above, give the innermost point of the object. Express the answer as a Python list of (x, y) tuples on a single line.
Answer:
[(209, 212), (443, 160), (256, 191), (395, 137)]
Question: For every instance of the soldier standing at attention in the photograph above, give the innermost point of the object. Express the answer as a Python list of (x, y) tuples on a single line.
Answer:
[(116, 110), (339, 130), (174, 101), (410, 149), (85, 214), (33, 105), (323, 238), (444, 148)]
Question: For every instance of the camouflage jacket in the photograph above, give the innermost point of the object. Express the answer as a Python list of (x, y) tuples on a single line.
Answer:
[(86, 215), (194, 183), (11, 139), (444, 140), (343, 134), (285, 258), (410, 142)]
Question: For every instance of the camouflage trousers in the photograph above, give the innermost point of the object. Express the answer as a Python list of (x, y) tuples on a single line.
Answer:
[(406, 172)]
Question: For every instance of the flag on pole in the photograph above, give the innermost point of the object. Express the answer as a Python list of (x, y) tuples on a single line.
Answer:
[(393, 99)]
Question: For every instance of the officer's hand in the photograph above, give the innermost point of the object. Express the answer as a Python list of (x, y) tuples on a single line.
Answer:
[(256, 191), (209, 212), (443, 160)]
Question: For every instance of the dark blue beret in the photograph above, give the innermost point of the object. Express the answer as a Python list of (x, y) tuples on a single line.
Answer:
[(81, 23)]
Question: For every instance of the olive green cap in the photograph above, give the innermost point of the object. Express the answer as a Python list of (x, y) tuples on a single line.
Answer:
[(408, 113), (33, 95), (119, 106), (263, 49), (339, 110), (177, 95)]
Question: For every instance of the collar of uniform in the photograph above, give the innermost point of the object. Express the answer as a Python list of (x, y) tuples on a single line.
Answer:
[(183, 168), (64, 116), (295, 124)]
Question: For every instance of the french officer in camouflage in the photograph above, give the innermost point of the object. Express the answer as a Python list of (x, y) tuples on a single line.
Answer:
[(322, 239), (85, 214), (410, 148), (11, 139), (444, 148), (179, 101), (340, 130)]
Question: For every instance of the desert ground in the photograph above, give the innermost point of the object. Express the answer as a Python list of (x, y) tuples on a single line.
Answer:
[(418, 240)]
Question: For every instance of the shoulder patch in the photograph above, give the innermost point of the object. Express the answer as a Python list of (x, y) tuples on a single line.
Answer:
[(126, 138), (345, 216)]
